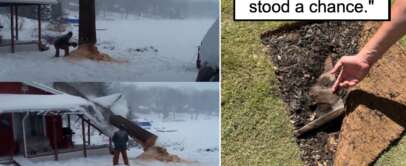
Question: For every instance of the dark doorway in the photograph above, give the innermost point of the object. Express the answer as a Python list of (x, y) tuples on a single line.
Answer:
[(7, 143)]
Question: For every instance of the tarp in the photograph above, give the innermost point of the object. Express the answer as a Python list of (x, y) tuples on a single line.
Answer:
[(209, 49), (28, 1), (40, 103)]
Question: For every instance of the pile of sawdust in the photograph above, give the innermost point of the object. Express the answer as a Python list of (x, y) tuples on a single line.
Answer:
[(86, 51), (160, 154)]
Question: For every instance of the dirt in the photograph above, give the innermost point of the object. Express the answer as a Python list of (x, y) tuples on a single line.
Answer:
[(298, 52), (387, 78), (375, 115), (161, 154), (365, 134)]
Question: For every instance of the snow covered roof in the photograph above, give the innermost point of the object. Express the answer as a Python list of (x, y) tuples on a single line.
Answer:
[(40, 103), (29, 1)]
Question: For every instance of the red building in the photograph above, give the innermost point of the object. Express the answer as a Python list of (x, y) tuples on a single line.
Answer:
[(35, 120)]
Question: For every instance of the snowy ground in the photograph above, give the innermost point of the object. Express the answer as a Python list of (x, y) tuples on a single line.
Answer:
[(193, 140), (156, 50)]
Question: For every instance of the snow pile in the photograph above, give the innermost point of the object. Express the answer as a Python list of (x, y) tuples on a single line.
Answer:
[(24, 103)]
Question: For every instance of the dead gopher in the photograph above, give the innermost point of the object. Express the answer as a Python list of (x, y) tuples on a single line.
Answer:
[(321, 94)]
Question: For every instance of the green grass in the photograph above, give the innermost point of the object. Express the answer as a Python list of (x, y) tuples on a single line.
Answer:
[(403, 41), (395, 155), (255, 126)]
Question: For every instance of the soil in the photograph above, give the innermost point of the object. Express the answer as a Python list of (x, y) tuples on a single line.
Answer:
[(364, 135), (375, 108), (387, 78), (298, 52), (376, 116)]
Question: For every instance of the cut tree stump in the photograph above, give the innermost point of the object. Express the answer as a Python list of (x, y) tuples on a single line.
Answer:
[(377, 114)]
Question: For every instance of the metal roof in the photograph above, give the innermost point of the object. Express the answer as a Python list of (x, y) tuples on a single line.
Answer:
[(44, 87), (41, 103), (42, 2)]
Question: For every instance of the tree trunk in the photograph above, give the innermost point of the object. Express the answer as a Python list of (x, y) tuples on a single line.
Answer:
[(87, 34), (87, 22), (140, 135)]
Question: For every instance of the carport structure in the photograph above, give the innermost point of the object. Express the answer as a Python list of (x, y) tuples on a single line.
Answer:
[(32, 118), (13, 5)]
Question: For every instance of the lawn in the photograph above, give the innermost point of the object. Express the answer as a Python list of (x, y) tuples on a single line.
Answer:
[(255, 126)]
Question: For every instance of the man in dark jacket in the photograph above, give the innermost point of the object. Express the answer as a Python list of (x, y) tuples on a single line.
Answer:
[(62, 42), (120, 139)]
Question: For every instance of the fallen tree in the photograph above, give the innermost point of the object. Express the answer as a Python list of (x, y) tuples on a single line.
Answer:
[(108, 122)]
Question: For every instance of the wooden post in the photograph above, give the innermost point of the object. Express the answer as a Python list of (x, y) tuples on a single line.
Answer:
[(39, 26), (88, 133), (55, 139), (69, 120), (44, 125), (110, 146), (16, 14), (95, 127), (25, 135), (84, 137), (12, 28)]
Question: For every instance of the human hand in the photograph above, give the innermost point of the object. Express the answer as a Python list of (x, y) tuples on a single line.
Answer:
[(351, 70)]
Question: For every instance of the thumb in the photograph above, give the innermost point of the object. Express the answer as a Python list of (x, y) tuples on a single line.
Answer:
[(336, 67)]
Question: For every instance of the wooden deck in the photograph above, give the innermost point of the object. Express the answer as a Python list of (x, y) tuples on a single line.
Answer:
[(21, 46), (65, 154), (77, 151), (7, 161)]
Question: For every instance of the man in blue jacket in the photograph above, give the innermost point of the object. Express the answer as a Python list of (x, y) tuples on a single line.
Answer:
[(120, 140)]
